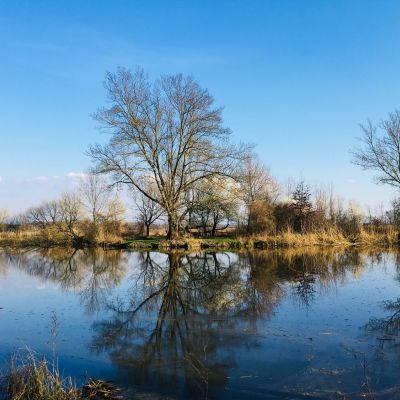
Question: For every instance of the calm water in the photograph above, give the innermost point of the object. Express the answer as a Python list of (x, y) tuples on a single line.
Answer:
[(284, 325)]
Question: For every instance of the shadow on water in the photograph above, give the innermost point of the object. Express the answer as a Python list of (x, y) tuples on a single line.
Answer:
[(192, 324)]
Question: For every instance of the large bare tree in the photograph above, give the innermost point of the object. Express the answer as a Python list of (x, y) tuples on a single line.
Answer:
[(168, 131), (380, 149)]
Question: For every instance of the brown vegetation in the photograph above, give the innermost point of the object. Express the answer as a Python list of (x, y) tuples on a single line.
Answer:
[(30, 379)]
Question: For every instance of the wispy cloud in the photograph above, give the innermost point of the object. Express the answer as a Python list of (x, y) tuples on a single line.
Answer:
[(76, 175), (37, 179), (70, 176), (1, 179)]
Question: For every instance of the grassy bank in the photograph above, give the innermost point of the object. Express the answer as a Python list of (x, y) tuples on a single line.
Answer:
[(32, 379), (40, 239), (283, 240)]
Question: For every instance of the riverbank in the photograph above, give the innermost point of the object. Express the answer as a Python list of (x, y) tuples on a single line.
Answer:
[(38, 239), (283, 240)]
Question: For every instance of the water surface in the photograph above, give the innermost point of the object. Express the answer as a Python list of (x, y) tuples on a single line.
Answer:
[(267, 324)]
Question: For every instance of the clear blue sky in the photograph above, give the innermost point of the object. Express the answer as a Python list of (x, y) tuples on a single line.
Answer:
[(295, 77)]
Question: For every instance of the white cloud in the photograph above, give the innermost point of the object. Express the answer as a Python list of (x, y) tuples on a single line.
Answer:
[(1, 179), (37, 179), (76, 175), (41, 178)]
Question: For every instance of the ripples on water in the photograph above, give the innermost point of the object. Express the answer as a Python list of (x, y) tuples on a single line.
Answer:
[(265, 324)]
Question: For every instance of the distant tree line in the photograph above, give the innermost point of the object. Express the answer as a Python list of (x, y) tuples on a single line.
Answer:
[(252, 205), (93, 213)]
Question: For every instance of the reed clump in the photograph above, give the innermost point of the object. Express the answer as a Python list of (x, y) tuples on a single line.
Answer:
[(32, 379), (289, 238), (387, 237), (50, 237)]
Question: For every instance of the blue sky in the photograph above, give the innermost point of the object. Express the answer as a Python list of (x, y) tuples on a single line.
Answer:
[(295, 77)]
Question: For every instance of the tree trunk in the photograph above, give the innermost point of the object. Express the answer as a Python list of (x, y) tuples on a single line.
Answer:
[(248, 227), (147, 230), (173, 227), (214, 227)]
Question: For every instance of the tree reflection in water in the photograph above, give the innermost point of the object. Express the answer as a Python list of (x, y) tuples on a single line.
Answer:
[(179, 328), (90, 272), (389, 325)]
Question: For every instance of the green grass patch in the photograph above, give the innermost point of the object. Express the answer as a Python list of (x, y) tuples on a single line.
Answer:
[(143, 242), (159, 242)]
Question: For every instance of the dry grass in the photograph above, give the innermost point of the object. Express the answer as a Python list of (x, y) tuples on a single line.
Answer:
[(37, 380), (53, 237), (371, 238), (34, 380), (288, 238), (27, 238), (328, 237)]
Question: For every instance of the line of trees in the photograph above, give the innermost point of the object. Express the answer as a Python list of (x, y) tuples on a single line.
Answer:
[(252, 204), (93, 213)]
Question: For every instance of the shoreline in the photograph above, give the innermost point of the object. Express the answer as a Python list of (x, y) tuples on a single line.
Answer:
[(282, 241)]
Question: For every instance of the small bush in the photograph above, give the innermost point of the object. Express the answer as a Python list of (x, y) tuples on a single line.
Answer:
[(261, 218)]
